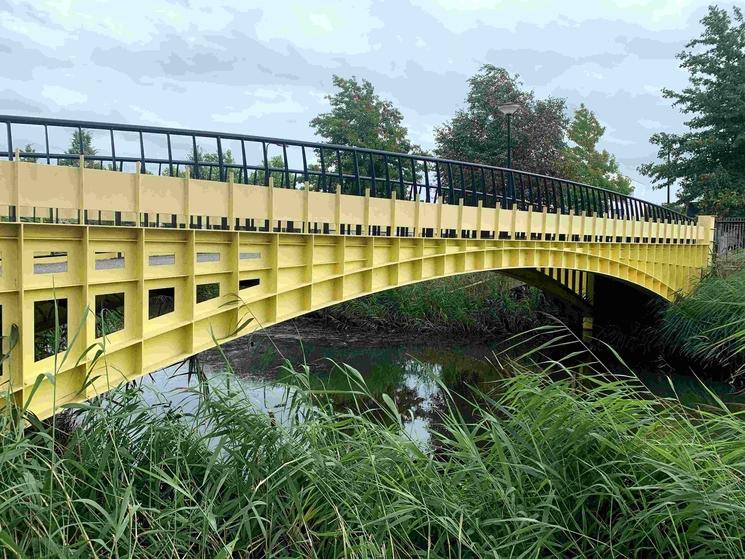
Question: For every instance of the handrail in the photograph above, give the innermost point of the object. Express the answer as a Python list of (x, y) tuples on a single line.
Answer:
[(355, 169)]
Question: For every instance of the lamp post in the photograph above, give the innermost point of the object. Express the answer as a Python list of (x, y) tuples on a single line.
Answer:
[(508, 109), (668, 175)]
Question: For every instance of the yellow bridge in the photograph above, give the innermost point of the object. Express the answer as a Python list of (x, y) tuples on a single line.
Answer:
[(133, 255)]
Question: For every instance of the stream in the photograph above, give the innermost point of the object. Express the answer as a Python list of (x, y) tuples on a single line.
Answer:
[(413, 371)]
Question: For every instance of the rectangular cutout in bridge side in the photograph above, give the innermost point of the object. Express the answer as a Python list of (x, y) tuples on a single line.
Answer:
[(250, 255), (46, 262), (207, 291), (161, 301), (246, 283), (109, 313), (161, 259), (208, 256), (50, 328), (109, 260)]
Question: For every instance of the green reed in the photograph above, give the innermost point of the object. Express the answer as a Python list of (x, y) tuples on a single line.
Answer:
[(583, 465)]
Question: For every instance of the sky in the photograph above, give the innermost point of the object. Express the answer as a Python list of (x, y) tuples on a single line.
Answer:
[(265, 68)]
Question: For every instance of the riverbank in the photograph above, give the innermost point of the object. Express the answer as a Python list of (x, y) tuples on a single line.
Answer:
[(402, 364), (708, 325), (485, 304)]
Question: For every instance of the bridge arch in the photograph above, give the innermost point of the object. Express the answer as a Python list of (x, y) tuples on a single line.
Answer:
[(529, 273)]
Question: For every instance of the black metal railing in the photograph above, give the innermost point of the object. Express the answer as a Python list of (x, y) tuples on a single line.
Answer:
[(319, 166), (729, 234)]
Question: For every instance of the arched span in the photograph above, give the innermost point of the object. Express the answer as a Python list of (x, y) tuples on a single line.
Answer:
[(648, 273), (277, 276)]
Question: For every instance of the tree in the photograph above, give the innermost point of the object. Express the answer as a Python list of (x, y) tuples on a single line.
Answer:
[(28, 149), (206, 167), (81, 143), (359, 117), (708, 160), (207, 164), (582, 160), (478, 133), (278, 177)]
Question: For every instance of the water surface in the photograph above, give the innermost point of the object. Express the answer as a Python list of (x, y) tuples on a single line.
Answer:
[(414, 372)]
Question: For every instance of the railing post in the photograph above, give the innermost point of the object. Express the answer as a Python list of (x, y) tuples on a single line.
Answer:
[(438, 230), (138, 194), (417, 217), (187, 199), (366, 217), (231, 201), (451, 186), (337, 209), (81, 192), (220, 161), (511, 188), (10, 140), (338, 164), (266, 163), (286, 174), (245, 163), (426, 183), (322, 178), (372, 173), (15, 207), (459, 232), (393, 213), (357, 171)]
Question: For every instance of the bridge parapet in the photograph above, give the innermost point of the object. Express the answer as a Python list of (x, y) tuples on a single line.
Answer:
[(317, 166), (80, 195)]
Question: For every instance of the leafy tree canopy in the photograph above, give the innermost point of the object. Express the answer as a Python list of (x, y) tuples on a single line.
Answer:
[(359, 117), (708, 160), (583, 162), (81, 143), (478, 133)]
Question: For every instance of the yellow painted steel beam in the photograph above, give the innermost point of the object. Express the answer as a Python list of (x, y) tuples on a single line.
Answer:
[(210, 281)]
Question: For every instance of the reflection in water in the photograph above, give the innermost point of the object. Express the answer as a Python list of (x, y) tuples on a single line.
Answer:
[(412, 375), (418, 376)]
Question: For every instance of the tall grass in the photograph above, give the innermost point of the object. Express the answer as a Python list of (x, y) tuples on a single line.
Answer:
[(480, 303), (709, 324), (546, 469)]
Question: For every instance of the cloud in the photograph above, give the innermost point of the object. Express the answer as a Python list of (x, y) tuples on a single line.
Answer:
[(263, 103), (10, 101), (63, 96), (264, 68), (25, 62)]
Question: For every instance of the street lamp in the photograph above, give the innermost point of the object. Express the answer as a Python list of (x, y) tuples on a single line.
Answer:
[(508, 109), (669, 178)]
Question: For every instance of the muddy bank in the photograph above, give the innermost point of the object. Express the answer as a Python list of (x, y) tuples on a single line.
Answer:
[(322, 330)]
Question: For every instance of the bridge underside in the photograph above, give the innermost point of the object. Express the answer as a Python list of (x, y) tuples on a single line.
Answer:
[(166, 294)]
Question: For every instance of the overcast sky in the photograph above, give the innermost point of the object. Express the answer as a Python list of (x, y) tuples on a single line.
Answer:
[(265, 67)]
